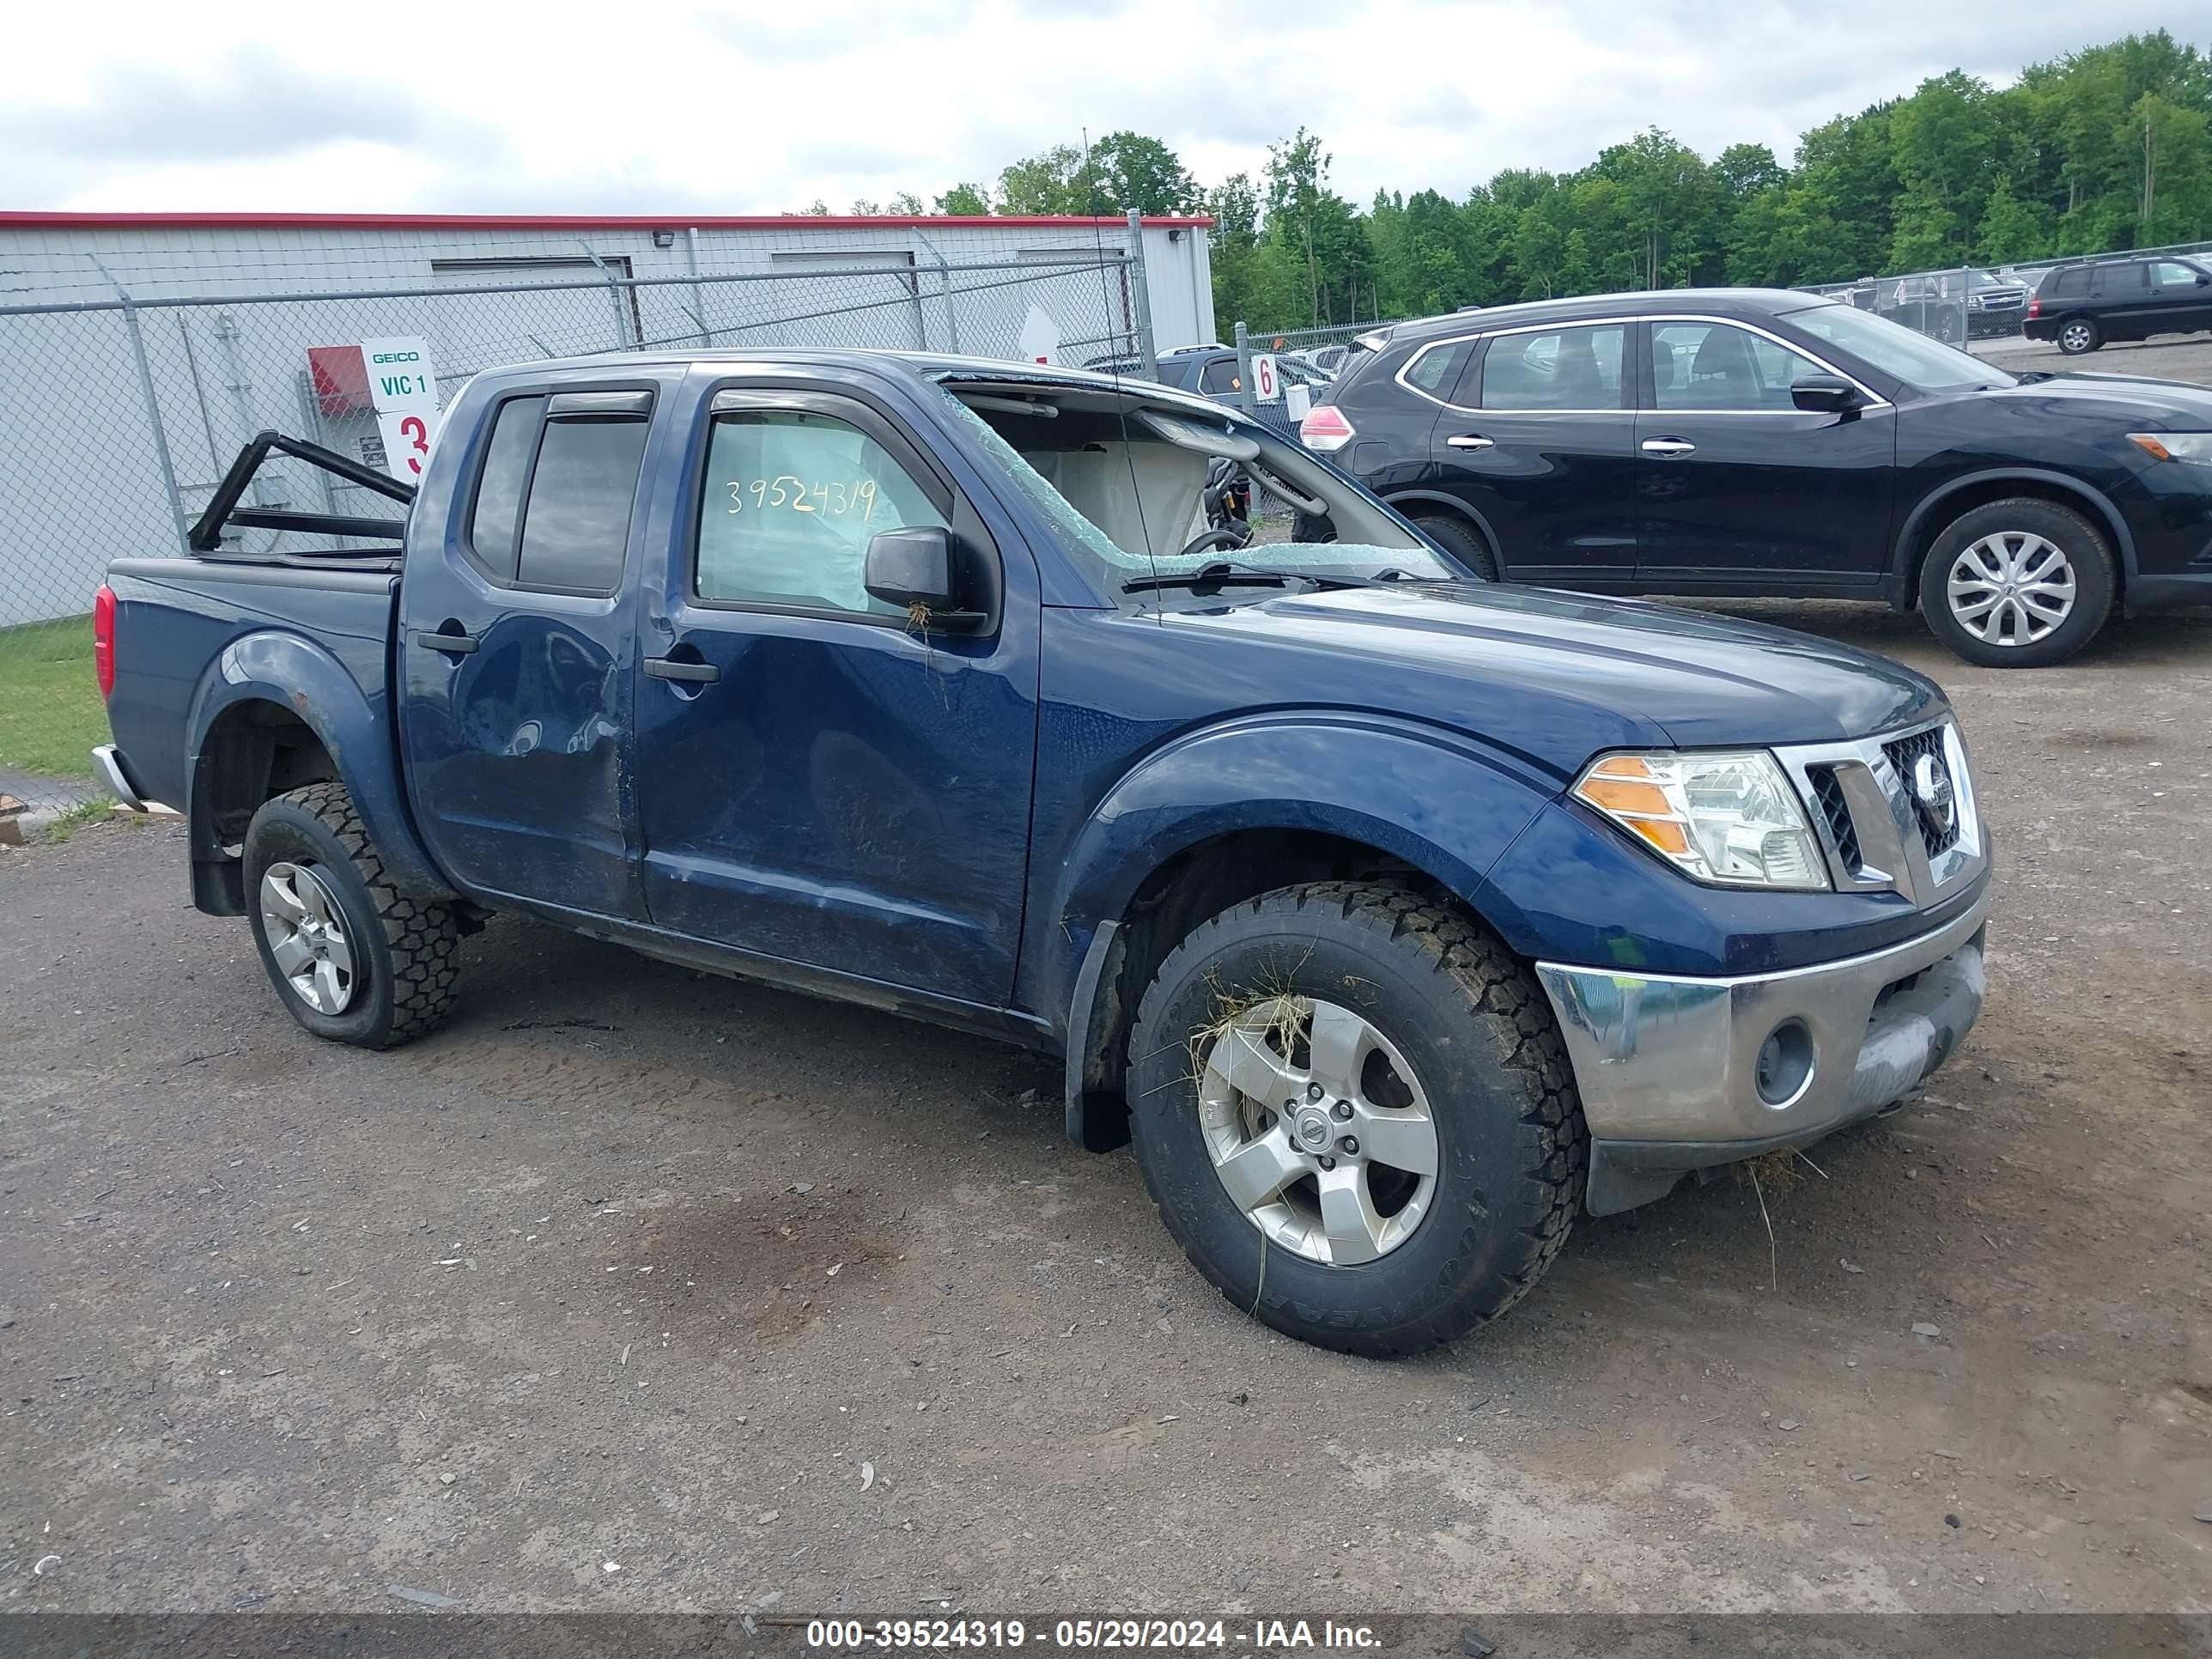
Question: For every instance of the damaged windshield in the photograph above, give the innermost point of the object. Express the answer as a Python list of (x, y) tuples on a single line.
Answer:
[(1151, 515)]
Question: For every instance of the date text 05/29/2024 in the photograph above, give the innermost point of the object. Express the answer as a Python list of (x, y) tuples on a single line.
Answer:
[(1254, 1635)]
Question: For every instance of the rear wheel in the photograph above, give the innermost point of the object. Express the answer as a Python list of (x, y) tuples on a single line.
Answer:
[(1351, 1108), (1462, 542), (2077, 335), (352, 958), (2017, 584)]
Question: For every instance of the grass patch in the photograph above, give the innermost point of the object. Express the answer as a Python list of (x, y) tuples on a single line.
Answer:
[(50, 713), (68, 823)]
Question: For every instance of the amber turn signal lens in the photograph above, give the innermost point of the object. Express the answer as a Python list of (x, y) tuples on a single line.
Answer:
[(1621, 795)]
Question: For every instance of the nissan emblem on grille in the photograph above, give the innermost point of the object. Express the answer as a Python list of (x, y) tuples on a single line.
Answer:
[(1931, 787)]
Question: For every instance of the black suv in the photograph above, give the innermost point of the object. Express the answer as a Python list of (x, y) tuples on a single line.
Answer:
[(2081, 306), (1763, 442)]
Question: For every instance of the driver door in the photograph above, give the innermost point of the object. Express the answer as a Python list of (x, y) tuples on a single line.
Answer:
[(822, 779)]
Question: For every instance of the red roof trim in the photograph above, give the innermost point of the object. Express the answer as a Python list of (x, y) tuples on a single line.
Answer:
[(19, 220)]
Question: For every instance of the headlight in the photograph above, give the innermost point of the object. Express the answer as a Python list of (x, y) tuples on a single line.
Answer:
[(2192, 446), (1731, 819)]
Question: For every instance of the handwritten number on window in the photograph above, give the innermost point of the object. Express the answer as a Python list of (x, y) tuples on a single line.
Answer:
[(837, 499)]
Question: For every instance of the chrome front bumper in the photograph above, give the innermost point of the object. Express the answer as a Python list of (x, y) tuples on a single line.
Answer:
[(1669, 1068)]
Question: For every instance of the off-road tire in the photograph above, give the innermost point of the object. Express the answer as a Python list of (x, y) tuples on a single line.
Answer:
[(1473, 1024), (2086, 548), (407, 950), (1463, 542)]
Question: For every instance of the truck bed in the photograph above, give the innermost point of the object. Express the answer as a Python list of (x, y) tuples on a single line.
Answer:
[(205, 607)]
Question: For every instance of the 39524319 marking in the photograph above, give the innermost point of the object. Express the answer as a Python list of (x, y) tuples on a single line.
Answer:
[(916, 1633)]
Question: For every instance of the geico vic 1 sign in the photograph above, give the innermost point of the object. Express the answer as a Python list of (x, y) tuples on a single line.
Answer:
[(392, 379)]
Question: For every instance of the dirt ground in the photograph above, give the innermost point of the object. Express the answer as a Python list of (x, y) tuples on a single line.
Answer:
[(635, 1289)]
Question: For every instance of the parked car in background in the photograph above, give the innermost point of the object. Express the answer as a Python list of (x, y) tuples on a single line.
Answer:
[(1397, 917), (1212, 371), (1767, 442), (2081, 306)]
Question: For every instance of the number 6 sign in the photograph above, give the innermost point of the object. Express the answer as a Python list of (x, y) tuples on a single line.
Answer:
[(1266, 386)]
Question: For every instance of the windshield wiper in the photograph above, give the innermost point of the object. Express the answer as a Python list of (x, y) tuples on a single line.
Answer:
[(1213, 578)]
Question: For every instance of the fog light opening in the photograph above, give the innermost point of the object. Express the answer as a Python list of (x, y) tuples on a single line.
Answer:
[(1785, 1063)]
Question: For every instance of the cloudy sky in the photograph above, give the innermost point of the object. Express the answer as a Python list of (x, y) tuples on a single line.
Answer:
[(638, 105)]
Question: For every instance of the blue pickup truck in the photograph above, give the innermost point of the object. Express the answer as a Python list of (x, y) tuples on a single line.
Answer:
[(1396, 916)]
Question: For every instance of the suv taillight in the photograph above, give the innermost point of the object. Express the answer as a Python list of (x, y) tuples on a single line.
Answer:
[(2035, 307), (103, 639), (1325, 430)]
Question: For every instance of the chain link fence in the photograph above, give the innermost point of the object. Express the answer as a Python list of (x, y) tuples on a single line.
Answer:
[(1966, 305), (120, 411)]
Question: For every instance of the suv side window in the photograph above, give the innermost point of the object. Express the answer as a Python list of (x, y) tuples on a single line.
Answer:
[(2119, 281), (2171, 273), (1219, 378), (2070, 284), (1557, 368), (793, 499), (553, 499), (1715, 366)]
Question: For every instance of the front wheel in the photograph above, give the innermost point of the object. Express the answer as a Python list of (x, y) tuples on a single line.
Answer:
[(1351, 1108), (352, 958), (2077, 335), (2018, 584)]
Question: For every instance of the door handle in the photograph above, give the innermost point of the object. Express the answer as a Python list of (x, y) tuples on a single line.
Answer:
[(675, 668), (1668, 446), (454, 644), (1468, 441)]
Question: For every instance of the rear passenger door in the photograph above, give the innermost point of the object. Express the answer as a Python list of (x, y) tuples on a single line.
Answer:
[(1537, 441), (2124, 301), (515, 650)]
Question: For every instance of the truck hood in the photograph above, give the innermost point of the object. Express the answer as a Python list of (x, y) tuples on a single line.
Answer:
[(1562, 676)]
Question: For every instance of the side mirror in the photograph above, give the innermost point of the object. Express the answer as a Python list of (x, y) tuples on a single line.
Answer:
[(1824, 394), (915, 566)]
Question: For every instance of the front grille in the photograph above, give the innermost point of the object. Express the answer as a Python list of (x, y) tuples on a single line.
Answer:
[(1935, 832), (1837, 813)]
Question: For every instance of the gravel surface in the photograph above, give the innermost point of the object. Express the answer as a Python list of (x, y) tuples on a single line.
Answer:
[(636, 1289)]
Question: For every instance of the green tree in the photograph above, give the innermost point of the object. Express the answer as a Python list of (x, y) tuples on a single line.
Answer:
[(1137, 172), (1055, 181), (965, 201)]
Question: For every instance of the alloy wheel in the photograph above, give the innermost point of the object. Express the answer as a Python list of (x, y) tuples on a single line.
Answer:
[(1318, 1129), (2012, 588), (306, 935)]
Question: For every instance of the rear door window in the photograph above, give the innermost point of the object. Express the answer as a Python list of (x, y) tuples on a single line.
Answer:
[(2118, 282), (500, 485), (576, 524), (1556, 369)]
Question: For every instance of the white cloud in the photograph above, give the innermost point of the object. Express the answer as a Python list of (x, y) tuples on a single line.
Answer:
[(648, 107)]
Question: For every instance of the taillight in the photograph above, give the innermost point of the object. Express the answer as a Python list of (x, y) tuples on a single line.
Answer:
[(103, 639), (2035, 307), (1325, 430)]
